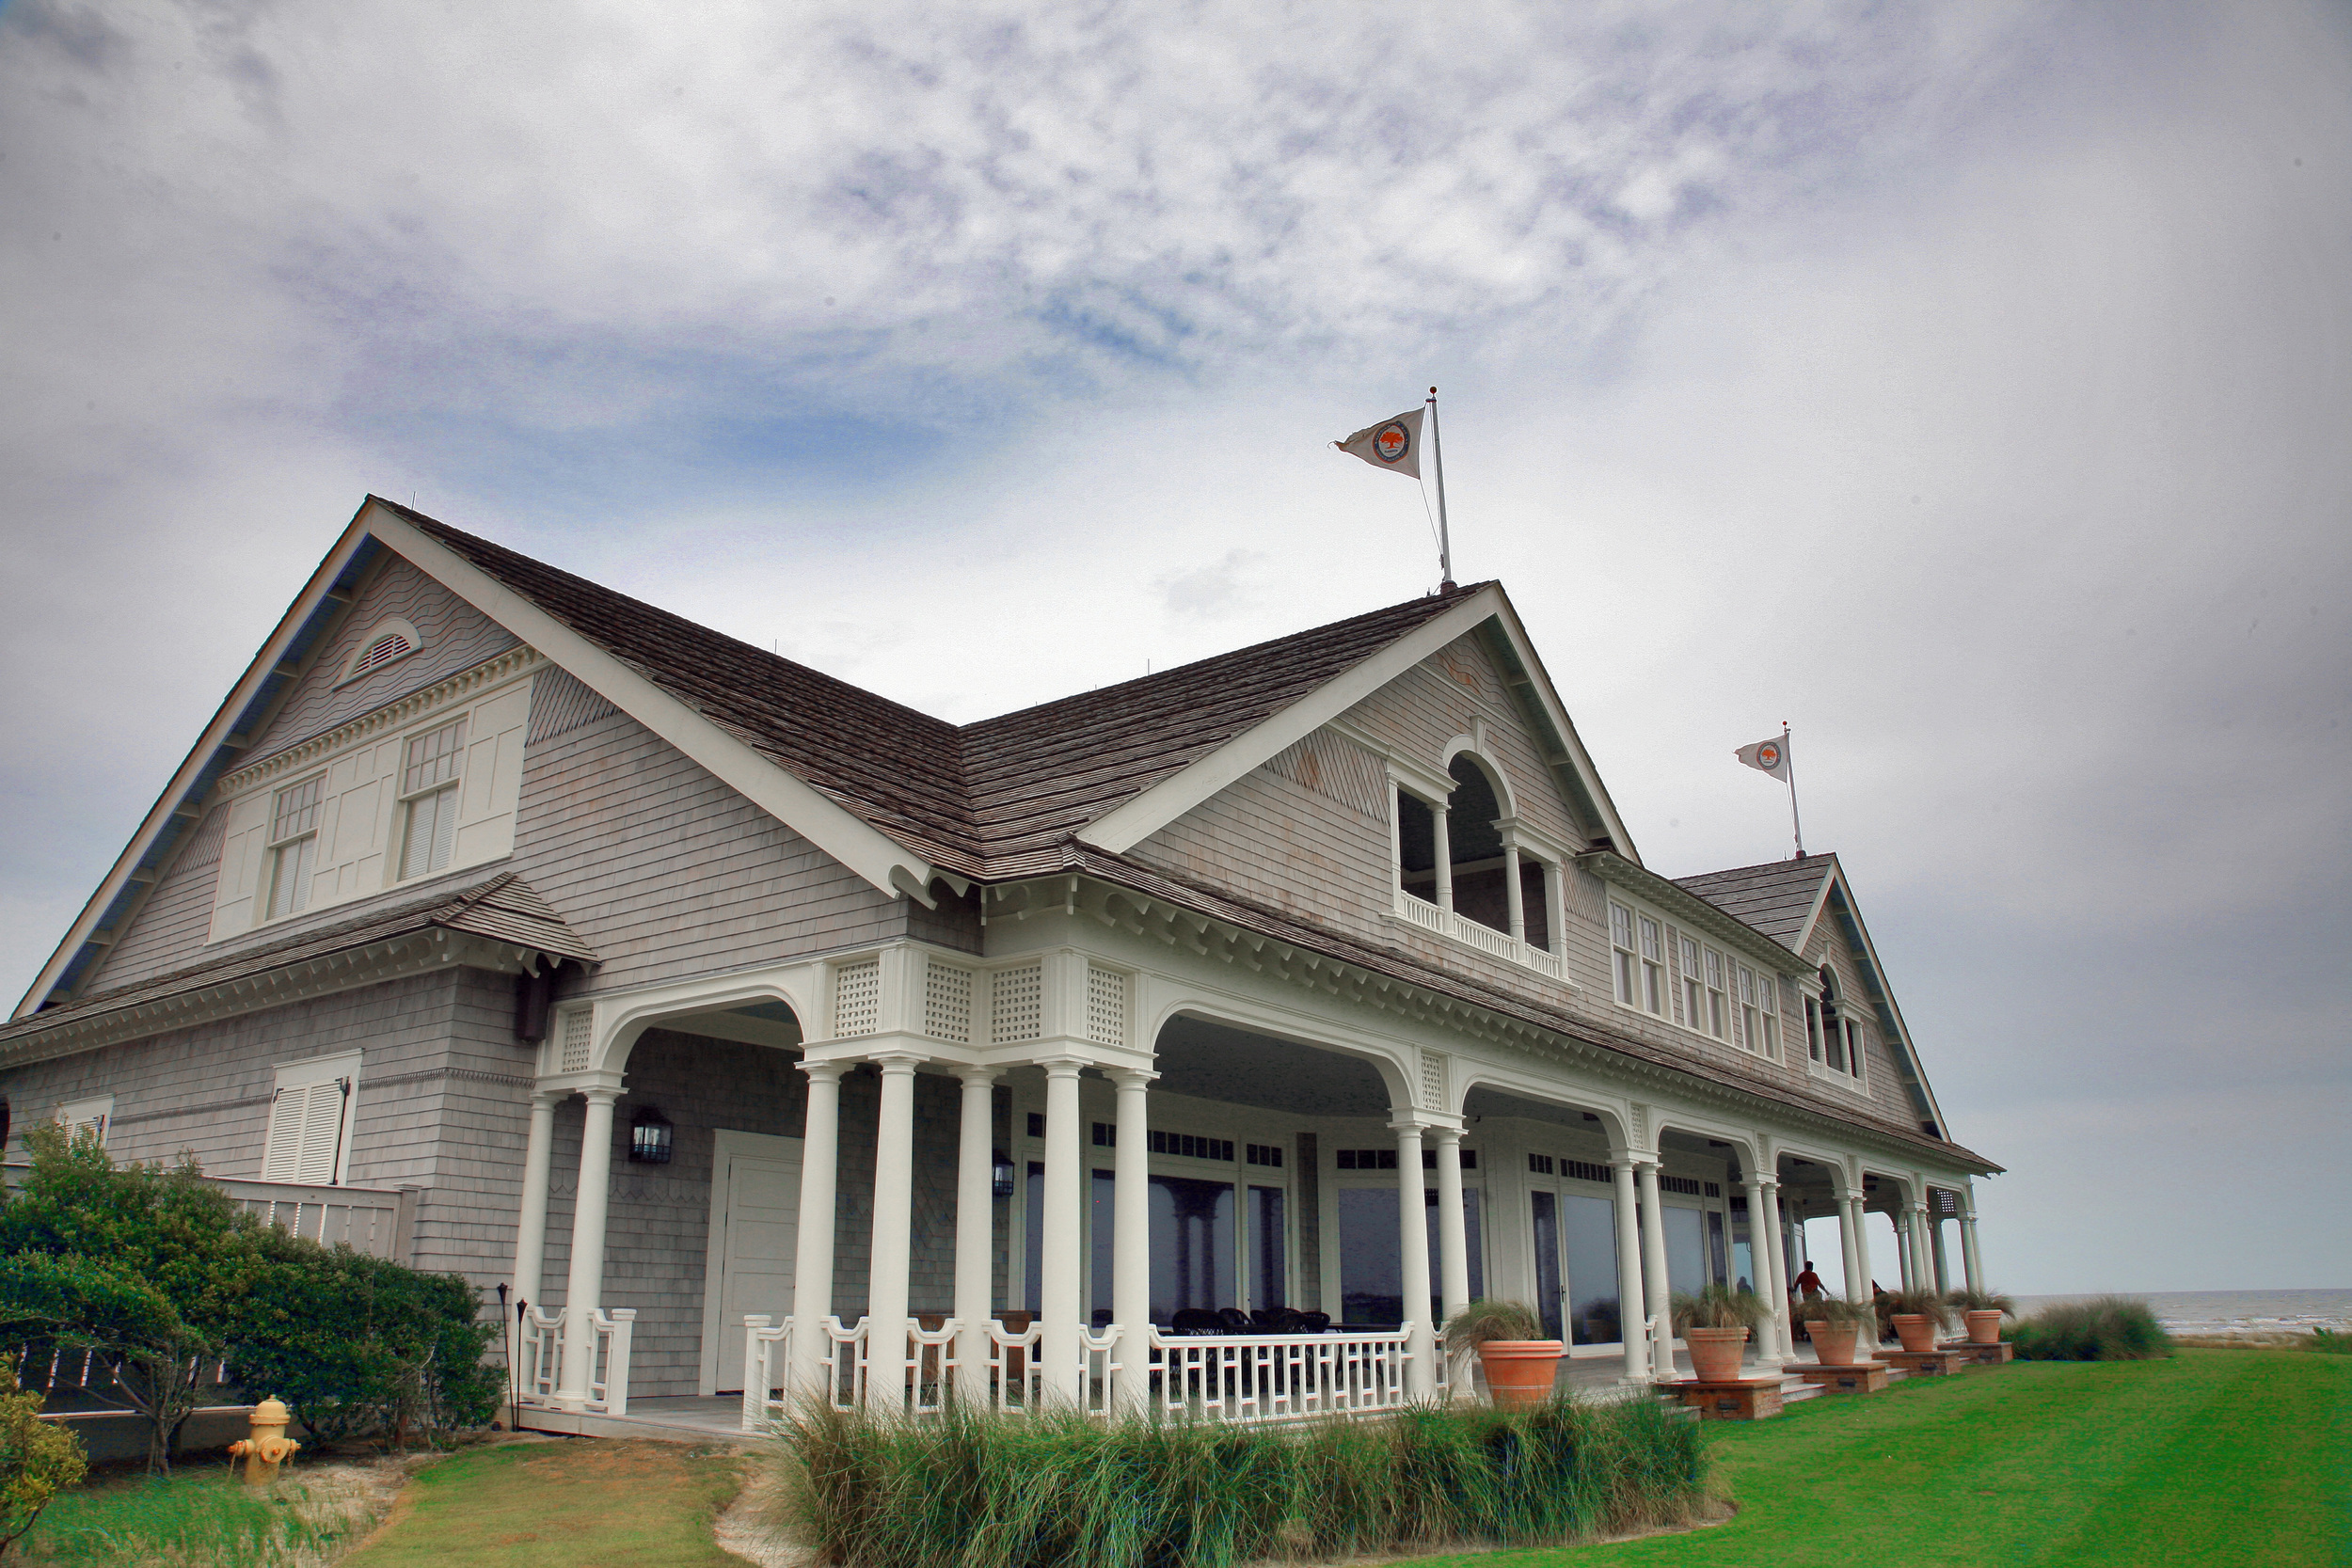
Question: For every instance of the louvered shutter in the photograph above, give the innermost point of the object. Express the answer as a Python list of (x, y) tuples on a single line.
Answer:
[(306, 1128)]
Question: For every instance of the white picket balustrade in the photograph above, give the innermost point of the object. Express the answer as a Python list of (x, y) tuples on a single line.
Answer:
[(541, 1360), (1248, 1378)]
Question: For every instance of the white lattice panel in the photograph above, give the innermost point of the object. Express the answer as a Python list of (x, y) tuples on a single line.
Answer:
[(580, 1040), (857, 999), (1018, 1010), (947, 1002), (1106, 1005), (1433, 1065)]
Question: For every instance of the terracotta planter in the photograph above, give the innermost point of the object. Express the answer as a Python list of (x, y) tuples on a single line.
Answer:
[(1520, 1373), (1916, 1330), (1715, 1353), (1834, 1342), (1984, 1328)]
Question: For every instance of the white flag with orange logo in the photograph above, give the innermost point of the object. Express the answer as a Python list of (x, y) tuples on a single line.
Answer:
[(1391, 444), (1767, 756)]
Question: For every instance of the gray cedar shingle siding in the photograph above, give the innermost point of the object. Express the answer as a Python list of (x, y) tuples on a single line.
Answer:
[(171, 927), (456, 637)]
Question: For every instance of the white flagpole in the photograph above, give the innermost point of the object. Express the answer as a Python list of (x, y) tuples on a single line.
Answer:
[(1788, 760), (1437, 464)]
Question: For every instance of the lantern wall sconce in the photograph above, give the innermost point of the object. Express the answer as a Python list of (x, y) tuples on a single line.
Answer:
[(1000, 1174), (649, 1137)]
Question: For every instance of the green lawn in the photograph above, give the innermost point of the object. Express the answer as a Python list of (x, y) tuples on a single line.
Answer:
[(2221, 1457), (574, 1504)]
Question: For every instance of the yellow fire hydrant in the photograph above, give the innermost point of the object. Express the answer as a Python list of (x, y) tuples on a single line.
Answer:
[(269, 1446)]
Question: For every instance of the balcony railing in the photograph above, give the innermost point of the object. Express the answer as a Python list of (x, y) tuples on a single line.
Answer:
[(1457, 927)]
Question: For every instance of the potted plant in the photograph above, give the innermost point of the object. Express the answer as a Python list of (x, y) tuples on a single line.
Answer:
[(1833, 1324), (1918, 1315), (1715, 1325), (1983, 1311), (1519, 1364)]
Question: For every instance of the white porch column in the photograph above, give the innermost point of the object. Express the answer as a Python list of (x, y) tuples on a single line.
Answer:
[(812, 1257), (1903, 1250), (1655, 1283), (1421, 1378), (1445, 855), (1922, 1264), (530, 1223), (1061, 1310), (1762, 1257), (1631, 1312), (1131, 1236), (894, 1220), (583, 1291), (1555, 909), (1969, 1262), (1850, 1245), (1453, 1239), (975, 1232), (1784, 1316), (1513, 892), (1943, 1267)]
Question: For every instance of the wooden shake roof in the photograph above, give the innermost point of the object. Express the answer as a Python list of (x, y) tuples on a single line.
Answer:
[(977, 798)]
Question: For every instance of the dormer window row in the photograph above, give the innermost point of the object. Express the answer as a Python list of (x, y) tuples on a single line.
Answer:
[(1682, 977)]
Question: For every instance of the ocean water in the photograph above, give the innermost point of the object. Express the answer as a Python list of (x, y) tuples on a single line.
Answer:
[(2233, 1312)]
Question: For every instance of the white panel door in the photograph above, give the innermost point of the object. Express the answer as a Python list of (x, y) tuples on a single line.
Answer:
[(759, 1226)]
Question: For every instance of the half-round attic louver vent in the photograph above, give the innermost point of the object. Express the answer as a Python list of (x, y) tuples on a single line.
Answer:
[(388, 641)]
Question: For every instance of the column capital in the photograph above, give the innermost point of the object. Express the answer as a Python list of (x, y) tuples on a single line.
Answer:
[(1635, 1160), (1061, 1066), (1131, 1076), (543, 1096), (602, 1094), (1764, 1184), (1404, 1120), (826, 1072), (896, 1062), (1444, 1136), (981, 1073)]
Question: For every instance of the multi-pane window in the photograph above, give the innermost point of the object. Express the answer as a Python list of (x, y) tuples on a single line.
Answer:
[(294, 844), (1693, 991), (1718, 997), (1759, 1011), (428, 788), (1653, 937), (1624, 965)]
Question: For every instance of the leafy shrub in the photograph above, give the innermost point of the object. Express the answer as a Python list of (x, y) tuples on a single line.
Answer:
[(976, 1490), (164, 1276), (2106, 1328), (37, 1459)]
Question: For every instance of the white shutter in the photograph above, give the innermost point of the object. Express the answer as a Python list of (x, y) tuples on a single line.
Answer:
[(305, 1133)]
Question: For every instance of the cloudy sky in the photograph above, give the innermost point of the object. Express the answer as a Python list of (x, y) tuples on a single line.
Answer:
[(1967, 385)]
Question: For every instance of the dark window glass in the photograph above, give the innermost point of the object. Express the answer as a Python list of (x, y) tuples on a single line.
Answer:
[(1192, 1246)]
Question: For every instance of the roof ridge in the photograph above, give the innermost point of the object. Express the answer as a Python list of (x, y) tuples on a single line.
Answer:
[(1810, 856)]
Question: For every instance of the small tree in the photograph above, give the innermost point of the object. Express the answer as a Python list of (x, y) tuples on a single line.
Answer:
[(37, 1459)]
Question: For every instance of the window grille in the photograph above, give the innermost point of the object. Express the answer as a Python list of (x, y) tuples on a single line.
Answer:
[(1687, 1186), (428, 781), (1269, 1155), (293, 822), (1539, 1163), (1585, 1170), (1186, 1146), (1365, 1159), (1105, 1136), (1715, 1190)]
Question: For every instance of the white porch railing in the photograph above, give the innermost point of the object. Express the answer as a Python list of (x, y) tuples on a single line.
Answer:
[(1240, 1378), (1469, 933), (1250, 1378), (541, 1371)]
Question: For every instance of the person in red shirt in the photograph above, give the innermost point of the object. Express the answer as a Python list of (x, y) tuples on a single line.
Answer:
[(1808, 1284)]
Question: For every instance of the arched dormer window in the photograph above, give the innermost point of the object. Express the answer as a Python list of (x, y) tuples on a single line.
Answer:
[(1463, 852), (388, 641), (1833, 1033)]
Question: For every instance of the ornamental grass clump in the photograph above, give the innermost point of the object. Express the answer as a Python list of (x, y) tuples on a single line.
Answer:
[(1929, 1304), (2328, 1341), (1963, 1299), (2105, 1328), (1719, 1306), (1065, 1491)]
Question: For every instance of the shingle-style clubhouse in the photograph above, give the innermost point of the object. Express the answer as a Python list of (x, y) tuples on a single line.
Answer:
[(1201, 1041)]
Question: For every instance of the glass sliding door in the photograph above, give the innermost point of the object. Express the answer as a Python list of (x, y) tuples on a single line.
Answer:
[(1101, 1222), (1371, 1276), (1686, 1249), (1545, 1210)]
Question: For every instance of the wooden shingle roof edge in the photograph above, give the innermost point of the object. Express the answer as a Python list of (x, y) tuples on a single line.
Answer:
[(504, 909), (1395, 965), (1779, 898)]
